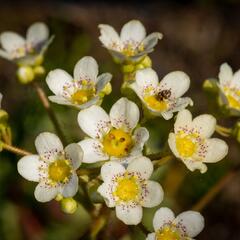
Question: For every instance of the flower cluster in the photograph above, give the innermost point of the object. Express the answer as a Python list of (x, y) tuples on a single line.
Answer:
[(115, 142)]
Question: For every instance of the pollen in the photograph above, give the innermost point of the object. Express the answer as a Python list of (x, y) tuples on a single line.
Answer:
[(59, 171), (117, 143), (168, 233), (186, 144), (233, 97), (83, 95), (155, 104), (127, 188)]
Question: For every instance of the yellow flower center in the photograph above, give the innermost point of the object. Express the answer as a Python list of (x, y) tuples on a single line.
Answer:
[(167, 233), (117, 143), (131, 49), (233, 97), (186, 144), (59, 170), (83, 95), (156, 104), (127, 188)]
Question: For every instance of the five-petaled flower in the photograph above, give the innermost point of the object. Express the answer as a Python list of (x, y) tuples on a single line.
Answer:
[(183, 227), (229, 85), (27, 51), (162, 98), (113, 136), (191, 141), (132, 44), (128, 189), (82, 90), (54, 168)]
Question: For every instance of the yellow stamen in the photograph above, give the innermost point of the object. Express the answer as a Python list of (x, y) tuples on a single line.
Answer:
[(127, 188), (167, 233), (59, 170), (117, 143), (155, 104), (131, 49), (186, 144), (233, 97), (82, 96)]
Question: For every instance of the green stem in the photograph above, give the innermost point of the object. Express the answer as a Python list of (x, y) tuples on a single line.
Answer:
[(223, 131)]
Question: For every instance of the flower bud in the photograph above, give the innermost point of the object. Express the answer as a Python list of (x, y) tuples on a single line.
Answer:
[(69, 205), (128, 68), (236, 131), (107, 89), (3, 116), (39, 70), (25, 74), (147, 62), (39, 60)]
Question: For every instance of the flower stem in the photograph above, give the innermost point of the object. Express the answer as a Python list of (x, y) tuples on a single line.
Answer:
[(223, 131), (42, 96), (162, 160), (211, 194), (15, 150)]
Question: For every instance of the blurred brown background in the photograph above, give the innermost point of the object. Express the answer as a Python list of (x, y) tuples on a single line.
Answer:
[(198, 37)]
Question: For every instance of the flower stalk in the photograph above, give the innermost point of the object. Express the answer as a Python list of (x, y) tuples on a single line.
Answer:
[(15, 150)]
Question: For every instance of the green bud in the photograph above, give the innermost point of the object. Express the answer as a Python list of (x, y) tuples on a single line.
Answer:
[(210, 86), (39, 70), (107, 89), (3, 116), (39, 60), (140, 66), (128, 68), (25, 74), (69, 205), (146, 62)]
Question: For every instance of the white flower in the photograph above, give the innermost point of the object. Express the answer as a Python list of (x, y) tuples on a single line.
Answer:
[(129, 189), (83, 89), (26, 51), (183, 227), (229, 85), (164, 97), (132, 44), (191, 141), (54, 168), (112, 136)]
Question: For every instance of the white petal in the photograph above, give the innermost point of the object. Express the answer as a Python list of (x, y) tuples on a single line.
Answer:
[(92, 150), (37, 33), (110, 169), (86, 68), (106, 194), (191, 221), (151, 236), (162, 216), (184, 119), (102, 81), (140, 136), (151, 40), (216, 151), (146, 78), (60, 100), (109, 37), (205, 124), (94, 121), (130, 215), (75, 153), (178, 82), (154, 195), (172, 144), (28, 167), (48, 143), (195, 164), (235, 83), (124, 114), (11, 41), (141, 165), (133, 30), (45, 193), (57, 79), (71, 188), (6, 55), (225, 75)]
